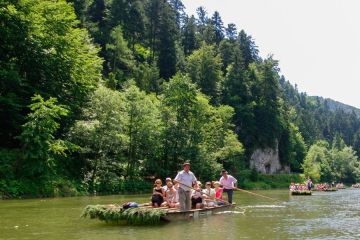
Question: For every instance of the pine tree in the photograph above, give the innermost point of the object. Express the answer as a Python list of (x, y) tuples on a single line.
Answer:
[(162, 32), (248, 48), (166, 45), (188, 35), (218, 24), (179, 9), (231, 32), (202, 19)]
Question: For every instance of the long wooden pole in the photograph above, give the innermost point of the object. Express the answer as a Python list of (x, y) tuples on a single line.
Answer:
[(259, 195)]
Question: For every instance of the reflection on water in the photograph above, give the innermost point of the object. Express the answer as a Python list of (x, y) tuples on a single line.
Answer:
[(330, 215)]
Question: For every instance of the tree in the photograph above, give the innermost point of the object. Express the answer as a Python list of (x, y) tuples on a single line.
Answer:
[(218, 24), (179, 9), (13, 87), (123, 13), (229, 52), (143, 130), (101, 138), (248, 48), (121, 59), (38, 138), (231, 32), (292, 148), (97, 21), (188, 35), (267, 112), (204, 68), (119, 135), (178, 104), (316, 154), (162, 32), (152, 11), (166, 46), (48, 54), (196, 131), (202, 19)]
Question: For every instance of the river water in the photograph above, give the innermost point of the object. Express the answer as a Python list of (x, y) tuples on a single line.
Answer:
[(324, 215)]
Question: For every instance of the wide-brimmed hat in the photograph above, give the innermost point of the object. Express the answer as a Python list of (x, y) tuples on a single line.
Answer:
[(168, 179), (186, 163)]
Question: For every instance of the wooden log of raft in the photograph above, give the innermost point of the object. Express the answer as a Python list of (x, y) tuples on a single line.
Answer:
[(303, 193)]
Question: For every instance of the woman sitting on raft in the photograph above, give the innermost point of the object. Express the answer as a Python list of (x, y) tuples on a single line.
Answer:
[(158, 194), (171, 197), (197, 197)]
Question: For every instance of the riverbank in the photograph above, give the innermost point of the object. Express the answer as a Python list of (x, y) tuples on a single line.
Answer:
[(66, 188), (24, 189), (269, 181)]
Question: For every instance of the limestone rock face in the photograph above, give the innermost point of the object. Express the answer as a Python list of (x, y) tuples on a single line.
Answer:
[(267, 161)]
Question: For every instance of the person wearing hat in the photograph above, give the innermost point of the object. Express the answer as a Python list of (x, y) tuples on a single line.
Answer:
[(209, 195), (168, 182), (229, 183), (185, 179)]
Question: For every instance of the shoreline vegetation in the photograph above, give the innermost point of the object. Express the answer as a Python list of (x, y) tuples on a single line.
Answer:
[(63, 188)]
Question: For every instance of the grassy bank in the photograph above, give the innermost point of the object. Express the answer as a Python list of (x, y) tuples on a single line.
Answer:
[(271, 181)]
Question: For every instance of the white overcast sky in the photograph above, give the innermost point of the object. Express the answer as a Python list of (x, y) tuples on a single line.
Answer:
[(317, 42)]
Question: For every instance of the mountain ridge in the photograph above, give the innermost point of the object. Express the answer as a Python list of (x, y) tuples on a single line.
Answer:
[(333, 105)]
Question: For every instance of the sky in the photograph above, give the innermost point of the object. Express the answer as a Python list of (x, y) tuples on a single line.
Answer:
[(317, 42)]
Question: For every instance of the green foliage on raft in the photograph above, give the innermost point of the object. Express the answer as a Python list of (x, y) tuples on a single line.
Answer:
[(116, 214)]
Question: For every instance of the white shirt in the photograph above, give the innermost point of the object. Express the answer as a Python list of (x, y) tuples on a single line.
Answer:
[(172, 197), (196, 194), (187, 178), (209, 192), (228, 183)]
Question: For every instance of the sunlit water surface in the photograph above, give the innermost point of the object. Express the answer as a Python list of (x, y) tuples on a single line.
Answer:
[(325, 215)]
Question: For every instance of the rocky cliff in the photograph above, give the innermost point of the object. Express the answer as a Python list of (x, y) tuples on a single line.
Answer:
[(267, 161)]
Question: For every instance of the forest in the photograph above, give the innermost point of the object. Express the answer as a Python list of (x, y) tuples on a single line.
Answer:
[(105, 95)]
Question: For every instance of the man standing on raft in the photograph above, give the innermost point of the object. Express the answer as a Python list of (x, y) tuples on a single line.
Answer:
[(185, 179), (229, 183)]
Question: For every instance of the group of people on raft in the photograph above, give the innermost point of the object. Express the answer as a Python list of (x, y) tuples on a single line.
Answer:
[(317, 187), (301, 187), (186, 192)]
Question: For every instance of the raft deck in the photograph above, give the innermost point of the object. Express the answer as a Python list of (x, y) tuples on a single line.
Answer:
[(146, 214), (176, 215)]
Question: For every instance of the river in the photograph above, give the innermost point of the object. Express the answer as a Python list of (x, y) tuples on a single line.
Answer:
[(324, 215)]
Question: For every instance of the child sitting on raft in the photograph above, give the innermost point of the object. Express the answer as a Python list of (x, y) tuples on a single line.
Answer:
[(171, 197)]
